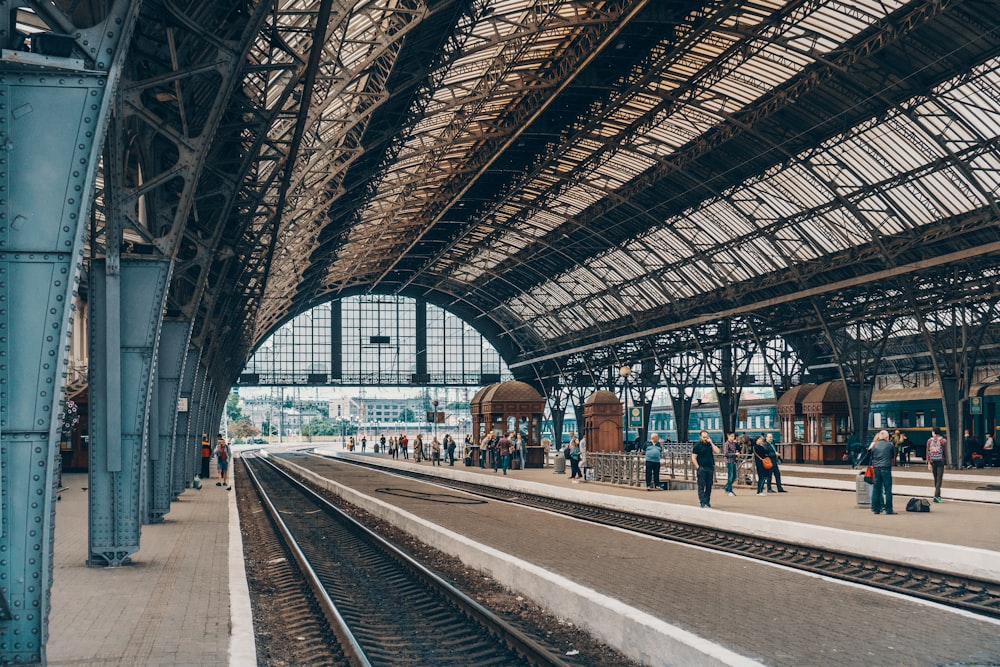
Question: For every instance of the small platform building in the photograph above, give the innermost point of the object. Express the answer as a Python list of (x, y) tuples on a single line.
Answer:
[(507, 407), (827, 421), (793, 422), (602, 414)]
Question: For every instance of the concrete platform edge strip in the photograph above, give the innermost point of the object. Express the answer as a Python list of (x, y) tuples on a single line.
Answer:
[(638, 635), (956, 559), (242, 642)]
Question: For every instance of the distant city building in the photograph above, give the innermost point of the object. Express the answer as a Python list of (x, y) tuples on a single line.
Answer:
[(378, 410)]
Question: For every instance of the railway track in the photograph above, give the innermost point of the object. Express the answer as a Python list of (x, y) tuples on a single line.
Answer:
[(383, 607), (973, 595)]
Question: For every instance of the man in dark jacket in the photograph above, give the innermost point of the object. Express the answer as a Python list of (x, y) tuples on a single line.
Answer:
[(883, 455), (703, 458)]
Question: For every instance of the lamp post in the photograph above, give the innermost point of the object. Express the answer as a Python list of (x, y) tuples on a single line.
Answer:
[(625, 372), (435, 404)]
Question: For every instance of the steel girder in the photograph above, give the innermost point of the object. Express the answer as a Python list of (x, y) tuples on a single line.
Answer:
[(163, 453), (744, 141), (198, 417), (186, 452), (126, 312), (53, 115), (278, 206)]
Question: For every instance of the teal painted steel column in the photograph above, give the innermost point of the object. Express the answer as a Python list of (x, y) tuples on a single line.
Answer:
[(53, 113), (169, 369), (197, 416), (186, 424), (126, 310), (183, 467)]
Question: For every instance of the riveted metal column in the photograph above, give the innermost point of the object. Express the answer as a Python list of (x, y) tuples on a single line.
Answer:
[(197, 419), (212, 410), (150, 443), (169, 369), (184, 465), (53, 113), (118, 449)]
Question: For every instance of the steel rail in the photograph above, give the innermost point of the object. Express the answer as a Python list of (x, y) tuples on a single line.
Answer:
[(526, 648), (352, 649), (952, 590)]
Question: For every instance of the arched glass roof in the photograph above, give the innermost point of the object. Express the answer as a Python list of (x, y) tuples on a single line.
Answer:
[(922, 163), (566, 175), (374, 340)]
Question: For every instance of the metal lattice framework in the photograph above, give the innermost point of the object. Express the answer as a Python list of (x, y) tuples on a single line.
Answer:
[(588, 183)]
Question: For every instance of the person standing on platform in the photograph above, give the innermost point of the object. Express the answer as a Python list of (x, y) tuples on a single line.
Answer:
[(494, 445), (772, 451), (937, 459), (653, 453), (381, 442), (970, 444), (731, 451), (883, 454), (435, 452), (418, 448), (449, 447), (902, 444), (505, 448), (206, 457), (484, 449), (703, 458), (522, 452), (404, 443), (573, 454), (763, 474), (222, 460), (364, 443)]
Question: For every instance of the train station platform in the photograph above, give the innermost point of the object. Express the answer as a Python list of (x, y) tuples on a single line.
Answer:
[(184, 600), (820, 509), (667, 603)]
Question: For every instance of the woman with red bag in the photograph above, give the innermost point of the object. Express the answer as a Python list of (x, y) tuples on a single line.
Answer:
[(762, 459)]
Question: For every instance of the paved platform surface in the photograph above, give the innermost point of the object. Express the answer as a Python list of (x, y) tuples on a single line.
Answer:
[(174, 605), (818, 495), (183, 601), (722, 609)]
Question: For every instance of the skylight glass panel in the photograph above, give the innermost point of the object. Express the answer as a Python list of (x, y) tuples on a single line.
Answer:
[(911, 203), (987, 172), (667, 242), (732, 265), (798, 184), (804, 241)]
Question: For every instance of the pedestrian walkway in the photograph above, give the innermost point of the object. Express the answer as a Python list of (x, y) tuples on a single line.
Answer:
[(665, 603), (182, 601), (821, 511)]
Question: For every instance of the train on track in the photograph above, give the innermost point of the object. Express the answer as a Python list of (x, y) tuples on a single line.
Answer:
[(756, 416), (913, 411)]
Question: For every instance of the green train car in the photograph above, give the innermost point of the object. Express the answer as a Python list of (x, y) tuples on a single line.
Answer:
[(916, 411)]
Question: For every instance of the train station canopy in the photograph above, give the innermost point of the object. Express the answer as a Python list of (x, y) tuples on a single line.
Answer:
[(573, 177)]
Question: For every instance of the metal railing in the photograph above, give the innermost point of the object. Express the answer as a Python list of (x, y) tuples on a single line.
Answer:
[(629, 468)]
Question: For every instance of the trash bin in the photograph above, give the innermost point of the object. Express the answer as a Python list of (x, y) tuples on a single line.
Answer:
[(864, 491), (559, 463)]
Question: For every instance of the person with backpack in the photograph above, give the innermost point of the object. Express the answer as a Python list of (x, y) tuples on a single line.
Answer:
[(937, 459), (222, 456)]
